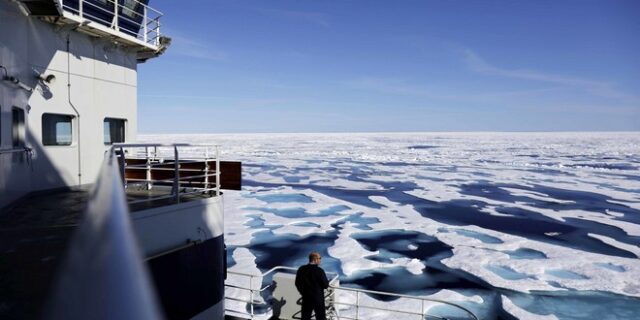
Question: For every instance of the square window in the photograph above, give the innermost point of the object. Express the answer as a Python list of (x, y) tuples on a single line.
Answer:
[(56, 129), (114, 130), (129, 8)]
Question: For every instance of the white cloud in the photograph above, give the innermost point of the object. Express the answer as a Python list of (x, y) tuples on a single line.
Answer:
[(597, 88), (194, 48)]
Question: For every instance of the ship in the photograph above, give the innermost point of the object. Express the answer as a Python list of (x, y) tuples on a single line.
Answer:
[(94, 225)]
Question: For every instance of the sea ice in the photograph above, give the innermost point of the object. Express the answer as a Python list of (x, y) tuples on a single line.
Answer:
[(513, 309), (578, 183)]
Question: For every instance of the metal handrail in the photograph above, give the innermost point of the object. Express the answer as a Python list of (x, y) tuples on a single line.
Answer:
[(250, 290), (16, 150), (139, 145), (382, 293), (332, 285), (156, 160), (103, 274), (148, 28)]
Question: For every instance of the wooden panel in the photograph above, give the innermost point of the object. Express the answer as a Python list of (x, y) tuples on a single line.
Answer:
[(231, 178)]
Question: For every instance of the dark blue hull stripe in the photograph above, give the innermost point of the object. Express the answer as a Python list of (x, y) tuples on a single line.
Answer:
[(191, 280)]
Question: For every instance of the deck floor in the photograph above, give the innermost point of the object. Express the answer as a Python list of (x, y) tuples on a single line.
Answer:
[(34, 234)]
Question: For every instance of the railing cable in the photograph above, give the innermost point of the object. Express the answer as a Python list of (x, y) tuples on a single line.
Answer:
[(358, 306)]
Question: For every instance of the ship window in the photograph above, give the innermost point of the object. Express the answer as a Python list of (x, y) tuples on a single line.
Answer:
[(130, 8), (114, 130), (56, 129), (17, 127)]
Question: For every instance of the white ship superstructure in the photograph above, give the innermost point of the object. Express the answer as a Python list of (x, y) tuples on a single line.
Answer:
[(87, 216), (69, 87)]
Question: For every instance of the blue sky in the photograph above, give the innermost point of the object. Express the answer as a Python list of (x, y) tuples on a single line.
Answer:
[(411, 65)]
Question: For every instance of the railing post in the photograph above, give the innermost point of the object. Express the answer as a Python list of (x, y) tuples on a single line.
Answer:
[(217, 171), (251, 294), (122, 164), (144, 22), (176, 177), (157, 31), (357, 303), (115, 15), (422, 309), (207, 169), (80, 8), (148, 155), (332, 302)]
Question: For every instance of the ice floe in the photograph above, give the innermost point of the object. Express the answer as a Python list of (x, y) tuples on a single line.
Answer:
[(461, 199)]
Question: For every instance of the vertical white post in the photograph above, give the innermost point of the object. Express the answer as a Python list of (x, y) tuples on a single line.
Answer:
[(144, 25), (80, 8), (207, 169), (122, 164), (357, 303), (148, 152), (251, 294), (115, 15), (158, 31), (217, 171), (176, 175)]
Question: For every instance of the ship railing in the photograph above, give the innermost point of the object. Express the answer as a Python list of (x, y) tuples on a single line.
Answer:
[(25, 153), (188, 169), (15, 150), (356, 307), (103, 272), (131, 17), (252, 293), (344, 302)]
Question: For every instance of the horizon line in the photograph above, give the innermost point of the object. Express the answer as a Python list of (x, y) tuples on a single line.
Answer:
[(395, 132)]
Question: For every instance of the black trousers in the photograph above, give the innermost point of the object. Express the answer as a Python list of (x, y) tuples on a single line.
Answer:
[(315, 305)]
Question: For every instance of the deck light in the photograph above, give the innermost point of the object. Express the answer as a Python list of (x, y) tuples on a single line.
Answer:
[(49, 79)]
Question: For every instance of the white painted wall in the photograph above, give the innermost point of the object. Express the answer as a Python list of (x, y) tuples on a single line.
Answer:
[(103, 83), (169, 227)]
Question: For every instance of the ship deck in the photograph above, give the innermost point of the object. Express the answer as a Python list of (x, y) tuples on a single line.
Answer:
[(34, 234)]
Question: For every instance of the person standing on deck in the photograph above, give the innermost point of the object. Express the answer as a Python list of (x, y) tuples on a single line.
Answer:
[(311, 282)]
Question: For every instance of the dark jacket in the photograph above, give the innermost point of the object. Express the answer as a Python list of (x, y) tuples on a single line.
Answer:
[(311, 282)]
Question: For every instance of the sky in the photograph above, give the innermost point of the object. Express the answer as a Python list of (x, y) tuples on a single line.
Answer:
[(393, 66)]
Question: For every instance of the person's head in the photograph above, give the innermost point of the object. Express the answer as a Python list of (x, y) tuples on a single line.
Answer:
[(314, 258)]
